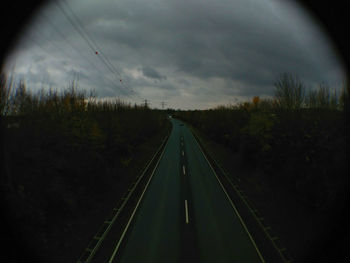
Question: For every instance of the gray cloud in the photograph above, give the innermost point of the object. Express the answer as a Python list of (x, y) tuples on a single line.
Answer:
[(190, 51), (151, 73)]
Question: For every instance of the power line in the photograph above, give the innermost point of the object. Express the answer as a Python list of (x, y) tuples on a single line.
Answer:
[(78, 26), (84, 36), (99, 49), (36, 37), (91, 39), (76, 49), (34, 40), (44, 17)]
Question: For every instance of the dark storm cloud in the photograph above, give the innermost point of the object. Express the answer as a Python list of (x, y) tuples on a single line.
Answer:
[(151, 73), (183, 48), (211, 41)]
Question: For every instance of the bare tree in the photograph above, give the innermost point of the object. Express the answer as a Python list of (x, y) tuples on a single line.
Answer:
[(5, 92), (289, 92)]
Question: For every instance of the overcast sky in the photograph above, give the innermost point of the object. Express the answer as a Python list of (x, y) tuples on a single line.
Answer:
[(187, 53)]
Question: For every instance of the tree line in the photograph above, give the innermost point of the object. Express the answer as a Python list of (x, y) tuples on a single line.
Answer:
[(66, 153), (298, 137)]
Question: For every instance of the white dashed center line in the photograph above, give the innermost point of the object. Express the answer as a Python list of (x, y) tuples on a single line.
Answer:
[(186, 212)]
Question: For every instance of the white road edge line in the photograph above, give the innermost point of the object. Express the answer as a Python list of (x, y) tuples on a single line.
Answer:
[(233, 206), (186, 212), (137, 205), (100, 240), (253, 211), (184, 170)]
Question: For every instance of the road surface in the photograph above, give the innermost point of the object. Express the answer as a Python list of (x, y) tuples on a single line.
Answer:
[(185, 215)]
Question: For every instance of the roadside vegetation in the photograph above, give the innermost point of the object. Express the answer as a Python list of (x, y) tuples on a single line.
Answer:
[(297, 138), (66, 156)]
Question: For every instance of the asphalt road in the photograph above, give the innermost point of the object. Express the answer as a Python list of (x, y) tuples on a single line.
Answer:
[(185, 215)]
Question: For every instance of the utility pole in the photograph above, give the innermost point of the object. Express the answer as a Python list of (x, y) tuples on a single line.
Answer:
[(163, 104), (146, 103)]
